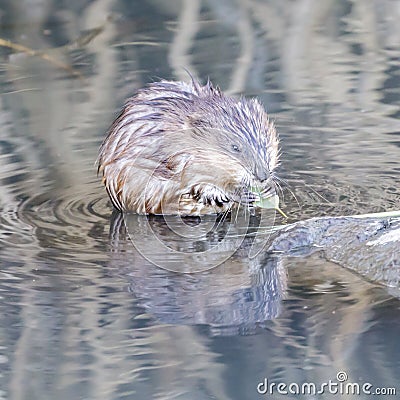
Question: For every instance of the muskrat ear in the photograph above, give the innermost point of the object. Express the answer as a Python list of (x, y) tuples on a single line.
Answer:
[(196, 121)]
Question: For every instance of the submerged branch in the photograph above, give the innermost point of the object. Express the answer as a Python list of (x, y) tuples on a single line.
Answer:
[(34, 53), (81, 41)]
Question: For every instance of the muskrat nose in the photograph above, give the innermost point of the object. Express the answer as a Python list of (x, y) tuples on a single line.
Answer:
[(261, 174)]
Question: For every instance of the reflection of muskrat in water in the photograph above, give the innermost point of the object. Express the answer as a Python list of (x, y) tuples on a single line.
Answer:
[(188, 149)]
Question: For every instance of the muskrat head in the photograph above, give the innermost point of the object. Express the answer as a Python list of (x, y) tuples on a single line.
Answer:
[(236, 142), (176, 141)]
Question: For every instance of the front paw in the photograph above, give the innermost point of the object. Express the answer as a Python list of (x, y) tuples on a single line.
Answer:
[(248, 197), (210, 195)]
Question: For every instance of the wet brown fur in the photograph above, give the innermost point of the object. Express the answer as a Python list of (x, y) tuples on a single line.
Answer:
[(179, 148)]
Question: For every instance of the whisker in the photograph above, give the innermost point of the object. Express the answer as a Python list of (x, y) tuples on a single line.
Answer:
[(319, 195), (282, 180), (237, 213), (280, 190), (222, 218), (287, 186), (294, 196), (267, 190)]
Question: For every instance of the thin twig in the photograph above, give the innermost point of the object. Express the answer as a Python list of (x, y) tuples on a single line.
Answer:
[(40, 54)]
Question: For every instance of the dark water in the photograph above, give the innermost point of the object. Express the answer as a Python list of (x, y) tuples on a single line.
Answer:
[(83, 313)]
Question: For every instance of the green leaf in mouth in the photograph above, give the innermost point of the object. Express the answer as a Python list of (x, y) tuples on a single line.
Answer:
[(268, 202)]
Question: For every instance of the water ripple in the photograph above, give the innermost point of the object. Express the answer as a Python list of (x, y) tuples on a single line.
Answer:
[(68, 227)]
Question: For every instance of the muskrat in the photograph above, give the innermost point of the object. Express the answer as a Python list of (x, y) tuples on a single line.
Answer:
[(183, 148)]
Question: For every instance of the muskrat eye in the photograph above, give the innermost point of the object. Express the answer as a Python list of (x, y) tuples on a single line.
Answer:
[(236, 148)]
